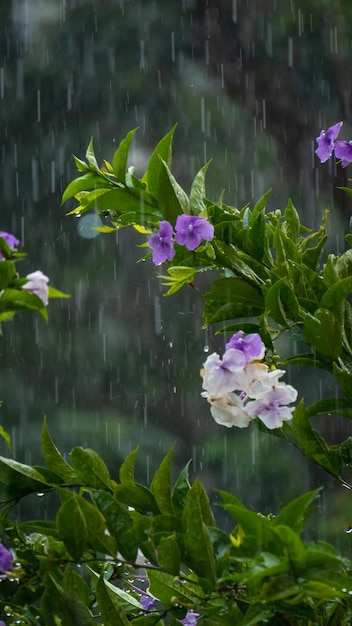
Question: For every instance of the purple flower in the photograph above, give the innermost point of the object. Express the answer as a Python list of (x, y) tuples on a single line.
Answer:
[(2, 623), (6, 561), (190, 619), (38, 284), (190, 230), (147, 602), (161, 243), (11, 241), (271, 407), (326, 142), (343, 150), (220, 377), (251, 345)]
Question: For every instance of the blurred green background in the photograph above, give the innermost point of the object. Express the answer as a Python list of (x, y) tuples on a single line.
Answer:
[(250, 84)]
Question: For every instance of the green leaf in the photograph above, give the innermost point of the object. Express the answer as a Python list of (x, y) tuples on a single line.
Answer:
[(97, 537), (127, 602), (72, 527), (310, 443), (170, 590), (178, 276), (161, 485), (169, 554), (281, 303), (5, 436), (119, 162), (110, 606), (179, 199), (197, 195), (137, 496), (292, 221), (196, 517), (158, 179), (83, 183), (17, 480), (7, 273), (180, 490), (56, 463), (120, 524), (296, 512), (336, 293), (231, 298), (90, 468), (323, 331), (126, 472)]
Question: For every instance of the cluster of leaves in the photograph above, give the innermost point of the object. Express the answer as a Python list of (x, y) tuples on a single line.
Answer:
[(84, 567), (270, 266)]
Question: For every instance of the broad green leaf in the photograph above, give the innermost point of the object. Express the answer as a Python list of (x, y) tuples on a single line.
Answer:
[(72, 527), (180, 490), (55, 293), (161, 485), (180, 201), (110, 606), (127, 602), (199, 554), (336, 293), (137, 496), (337, 406), (76, 599), (17, 480), (7, 273), (96, 528), (54, 459), (281, 303), (84, 183), (295, 513), (231, 298), (197, 194), (120, 524), (323, 332), (229, 256), (126, 472), (169, 554), (155, 173), (90, 468), (120, 158), (310, 443), (169, 589), (257, 614)]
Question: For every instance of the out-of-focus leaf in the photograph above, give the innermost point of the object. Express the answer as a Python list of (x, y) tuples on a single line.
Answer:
[(161, 485)]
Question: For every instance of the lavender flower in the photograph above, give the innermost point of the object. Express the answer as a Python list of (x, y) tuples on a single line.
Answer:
[(219, 377), (38, 284), (251, 345), (271, 407), (190, 230), (6, 561), (2, 623), (343, 151), (147, 602), (11, 241), (190, 619), (161, 243), (326, 141)]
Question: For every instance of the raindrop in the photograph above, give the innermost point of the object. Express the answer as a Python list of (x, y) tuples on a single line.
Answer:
[(40, 494), (87, 225)]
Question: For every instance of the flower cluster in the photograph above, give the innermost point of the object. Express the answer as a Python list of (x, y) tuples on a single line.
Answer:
[(327, 144), (190, 230), (240, 387)]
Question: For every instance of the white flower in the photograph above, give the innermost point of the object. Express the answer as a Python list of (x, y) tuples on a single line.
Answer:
[(228, 410), (38, 284)]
